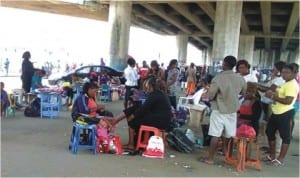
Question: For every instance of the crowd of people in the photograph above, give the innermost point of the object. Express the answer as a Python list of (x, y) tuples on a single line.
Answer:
[(235, 97)]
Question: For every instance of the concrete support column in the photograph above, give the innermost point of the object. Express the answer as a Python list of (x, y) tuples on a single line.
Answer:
[(270, 57), (119, 22), (182, 41), (256, 58), (227, 29), (284, 55), (294, 57), (207, 56), (246, 48)]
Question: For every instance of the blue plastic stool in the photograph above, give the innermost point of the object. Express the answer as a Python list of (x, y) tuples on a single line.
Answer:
[(76, 142), (105, 93), (50, 105)]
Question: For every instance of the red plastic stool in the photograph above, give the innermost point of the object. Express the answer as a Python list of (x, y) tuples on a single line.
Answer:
[(242, 159), (144, 135)]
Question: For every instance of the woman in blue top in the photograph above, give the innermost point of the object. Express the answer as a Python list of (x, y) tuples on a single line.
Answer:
[(36, 81)]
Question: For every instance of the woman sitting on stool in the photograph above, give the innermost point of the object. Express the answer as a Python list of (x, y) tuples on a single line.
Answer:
[(86, 103), (250, 109), (155, 112)]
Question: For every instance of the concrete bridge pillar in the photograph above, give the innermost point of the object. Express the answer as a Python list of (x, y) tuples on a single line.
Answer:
[(246, 48), (182, 42), (227, 29), (284, 56), (119, 22), (294, 56)]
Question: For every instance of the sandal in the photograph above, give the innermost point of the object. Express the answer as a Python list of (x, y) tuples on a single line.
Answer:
[(267, 159), (276, 162), (205, 160)]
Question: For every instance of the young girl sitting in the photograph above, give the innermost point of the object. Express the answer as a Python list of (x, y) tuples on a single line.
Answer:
[(104, 129)]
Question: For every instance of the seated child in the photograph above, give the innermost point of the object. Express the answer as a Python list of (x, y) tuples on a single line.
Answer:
[(104, 128)]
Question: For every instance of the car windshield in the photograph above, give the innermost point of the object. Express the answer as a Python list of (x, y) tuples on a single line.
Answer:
[(84, 70)]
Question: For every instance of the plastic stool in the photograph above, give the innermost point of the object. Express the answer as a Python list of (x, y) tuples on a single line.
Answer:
[(76, 142), (144, 131), (242, 159)]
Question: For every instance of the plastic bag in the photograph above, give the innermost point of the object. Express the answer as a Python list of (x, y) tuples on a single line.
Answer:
[(190, 135), (155, 148)]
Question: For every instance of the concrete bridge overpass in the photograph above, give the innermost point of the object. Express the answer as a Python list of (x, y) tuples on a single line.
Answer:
[(260, 31)]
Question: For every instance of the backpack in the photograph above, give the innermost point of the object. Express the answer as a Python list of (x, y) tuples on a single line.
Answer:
[(178, 140), (34, 108)]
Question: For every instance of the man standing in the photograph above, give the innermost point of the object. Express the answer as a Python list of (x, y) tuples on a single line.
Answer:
[(27, 72), (131, 77), (6, 66), (223, 94)]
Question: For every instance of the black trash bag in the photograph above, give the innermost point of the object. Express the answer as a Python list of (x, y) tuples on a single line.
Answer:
[(34, 108), (179, 141)]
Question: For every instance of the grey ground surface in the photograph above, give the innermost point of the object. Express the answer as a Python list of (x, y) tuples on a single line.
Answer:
[(34, 147)]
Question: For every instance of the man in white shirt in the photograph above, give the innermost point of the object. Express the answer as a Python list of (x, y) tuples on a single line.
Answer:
[(131, 77)]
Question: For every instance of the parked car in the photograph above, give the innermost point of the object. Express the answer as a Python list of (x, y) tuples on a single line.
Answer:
[(84, 72)]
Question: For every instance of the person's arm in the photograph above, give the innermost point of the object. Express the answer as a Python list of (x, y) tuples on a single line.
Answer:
[(274, 96), (174, 78), (212, 90), (264, 88), (162, 74), (82, 104)]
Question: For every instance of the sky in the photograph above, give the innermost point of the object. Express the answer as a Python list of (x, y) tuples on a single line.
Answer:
[(52, 37)]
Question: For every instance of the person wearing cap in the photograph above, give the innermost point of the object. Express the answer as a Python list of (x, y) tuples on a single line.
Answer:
[(223, 95)]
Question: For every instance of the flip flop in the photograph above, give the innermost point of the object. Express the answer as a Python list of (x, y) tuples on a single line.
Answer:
[(267, 158), (205, 160), (276, 162)]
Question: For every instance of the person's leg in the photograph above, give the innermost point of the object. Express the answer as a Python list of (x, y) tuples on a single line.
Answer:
[(272, 148), (118, 118), (127, 94), (215, 130), (212, 149), (285, 133), (270, 132), (173, 101), (188, 88), (130, 144)]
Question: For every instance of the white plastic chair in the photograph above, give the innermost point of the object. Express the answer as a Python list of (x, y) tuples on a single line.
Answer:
[(184, 101)]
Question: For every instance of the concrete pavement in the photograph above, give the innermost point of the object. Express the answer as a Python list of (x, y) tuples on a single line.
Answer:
[(34, 147)]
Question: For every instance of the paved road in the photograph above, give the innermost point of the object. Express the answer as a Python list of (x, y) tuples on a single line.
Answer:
[(34, 147)]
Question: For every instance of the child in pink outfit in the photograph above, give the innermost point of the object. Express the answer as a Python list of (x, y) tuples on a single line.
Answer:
[(104, 129)]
